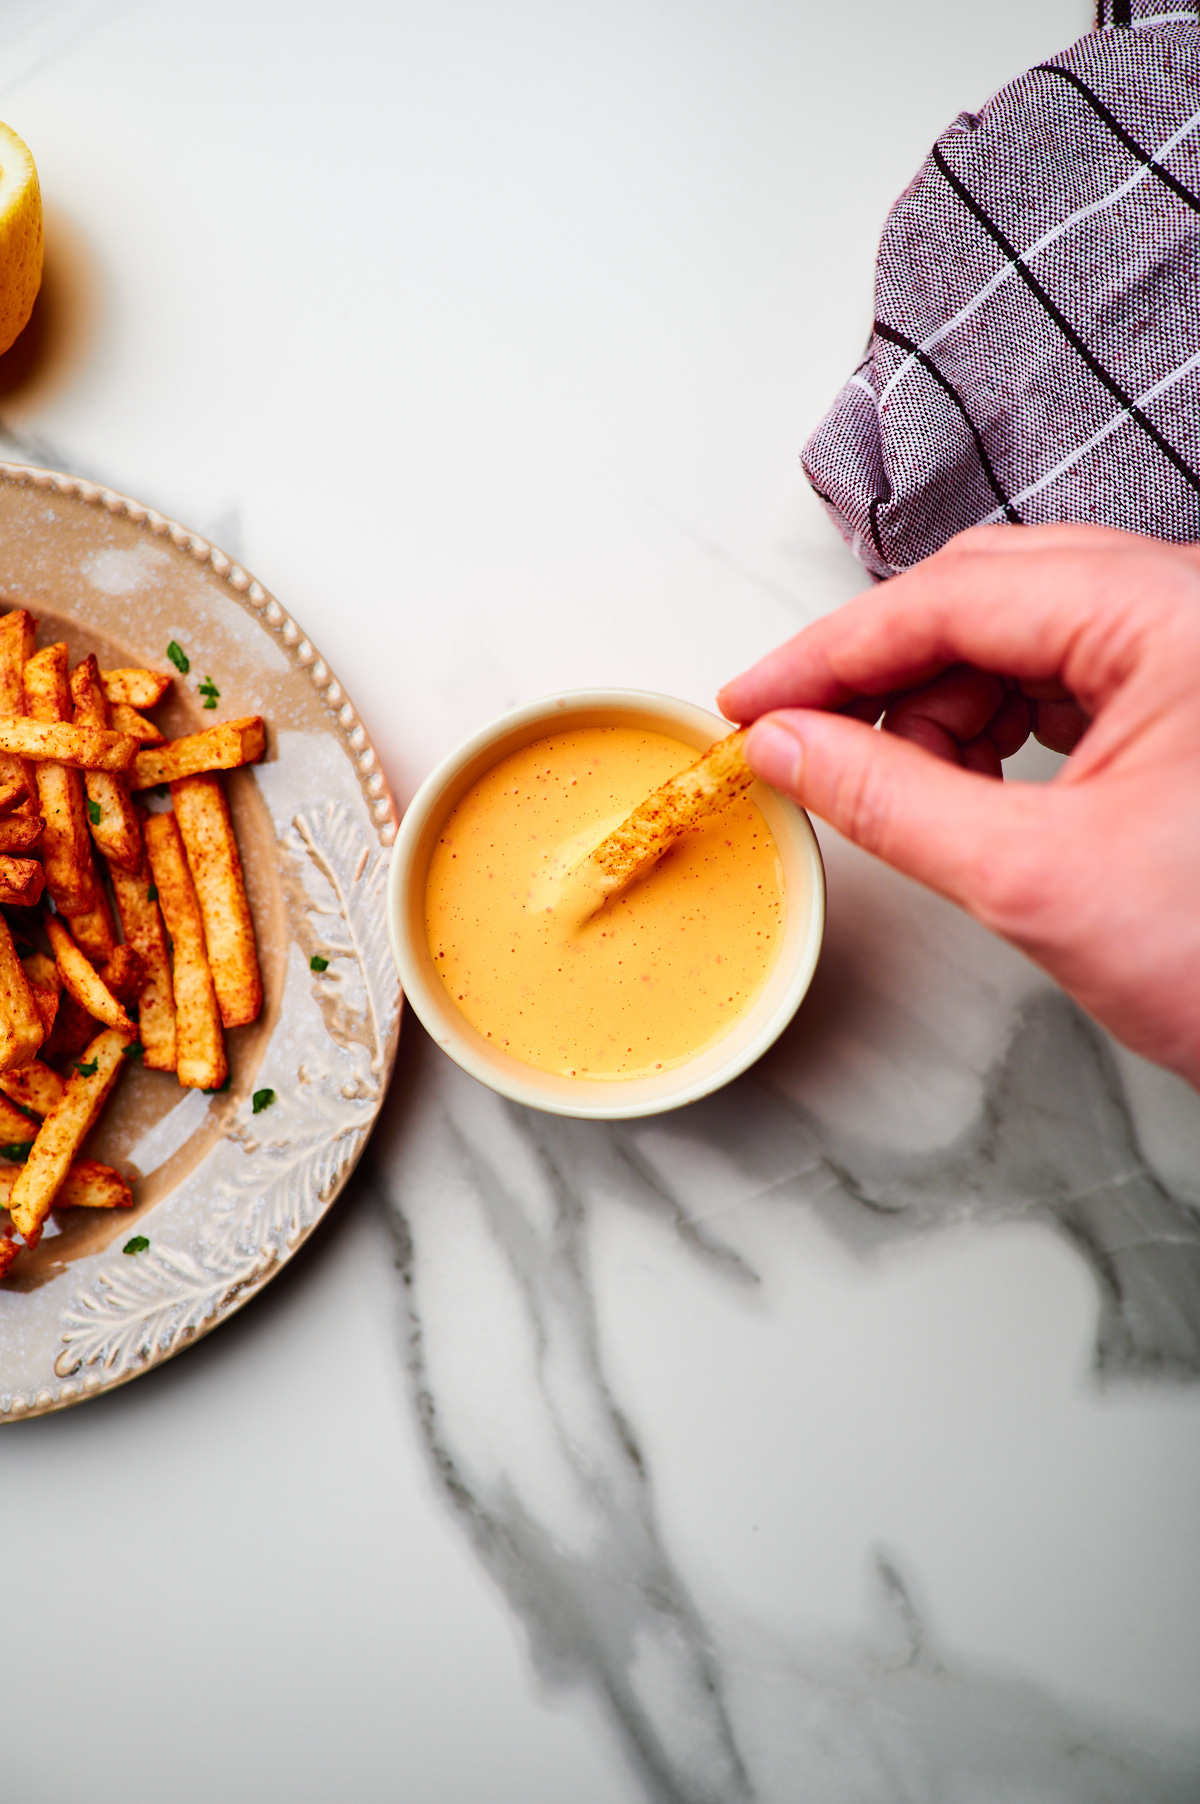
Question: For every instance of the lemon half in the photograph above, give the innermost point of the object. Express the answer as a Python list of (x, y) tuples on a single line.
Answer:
[(20, 236)]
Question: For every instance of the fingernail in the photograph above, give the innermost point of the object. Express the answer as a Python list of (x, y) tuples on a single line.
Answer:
[(774, 754)]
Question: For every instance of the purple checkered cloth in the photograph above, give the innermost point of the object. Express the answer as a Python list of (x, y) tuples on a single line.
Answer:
[(1036, 347)]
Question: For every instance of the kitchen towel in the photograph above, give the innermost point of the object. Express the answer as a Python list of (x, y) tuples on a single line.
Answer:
[(1036, 347)]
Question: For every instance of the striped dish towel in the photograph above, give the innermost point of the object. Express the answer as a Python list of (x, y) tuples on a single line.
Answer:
[(1036, 347)]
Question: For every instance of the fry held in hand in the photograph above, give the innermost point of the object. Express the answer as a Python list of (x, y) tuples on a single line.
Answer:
[(200, 1060), (206, 827), (63, 1131), (681, 803), (225, 747)]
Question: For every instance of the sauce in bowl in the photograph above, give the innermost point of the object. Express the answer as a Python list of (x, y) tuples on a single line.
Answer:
[(660, 973)]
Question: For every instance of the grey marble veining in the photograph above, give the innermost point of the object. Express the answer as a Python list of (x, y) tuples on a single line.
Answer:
[(534, 1452)]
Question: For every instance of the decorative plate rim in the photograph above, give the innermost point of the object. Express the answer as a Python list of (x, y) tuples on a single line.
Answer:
[(229, 1271)]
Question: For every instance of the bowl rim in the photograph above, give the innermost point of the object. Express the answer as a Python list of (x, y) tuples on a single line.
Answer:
[(598, 1099)]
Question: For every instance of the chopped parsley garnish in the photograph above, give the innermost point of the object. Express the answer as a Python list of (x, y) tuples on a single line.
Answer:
[(179, 658), (152, 893), (134, 1050), (88, 1070), (94, 813), (138, 1244), (210, 692), (316, 963), (160, 789), (16, 1151), (263, 1100), (220, 1089)]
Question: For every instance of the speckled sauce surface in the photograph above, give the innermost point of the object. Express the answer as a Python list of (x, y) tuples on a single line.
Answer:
[(223, 1195)]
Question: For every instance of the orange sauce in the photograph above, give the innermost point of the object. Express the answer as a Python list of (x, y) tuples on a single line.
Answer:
[(651, 979)]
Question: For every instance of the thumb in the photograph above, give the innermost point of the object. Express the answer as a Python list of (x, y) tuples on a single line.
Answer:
[(954, 830)]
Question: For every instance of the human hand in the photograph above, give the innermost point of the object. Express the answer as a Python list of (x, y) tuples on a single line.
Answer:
[(1089, 637)]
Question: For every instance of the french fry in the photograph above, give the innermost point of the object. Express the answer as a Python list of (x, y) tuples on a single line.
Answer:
[(16, 1129), (22, 881), (82, 981), (680, 803), (93, 930), (125, 974), (9, 1248), (46, 1004), (111, 813), (62, 1132), (83, 748), (42, 971), (72, 1029), (20, 832), (134, 688), (34, 1086), (87, 1185), (20, 1022), (142, 925), (13, 790), (206, 827), (200, 1060), (16, 645), (217, 748), (127, 720), (66, 845)]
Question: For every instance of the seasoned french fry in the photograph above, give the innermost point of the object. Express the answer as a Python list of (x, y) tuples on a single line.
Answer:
[(66, 845), (9, 1248), (111, 813), (13, 791), (125, 974), (217, 748), (34, 1086), (206, 826), (20, 832), (82, 981), (83, 748), (680, 803), (142, 925), (22, 881), (16, 645), (15, 1129), (46, 1004), (73, 1028), (124, 719), (93, 931), (62, 1132), (134, 688), (42, 971), (200, 1044), (20, 1022), (87, 1185)]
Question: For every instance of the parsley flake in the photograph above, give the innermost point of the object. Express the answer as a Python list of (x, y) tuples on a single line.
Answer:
[(134, 1050), (263, 1100), (210, 703), (16, 1151), (138, 1244), (210, 692), (220, 1089), (88, 1070), (152, 893), (179, 658), (316, 963), (94, 812)]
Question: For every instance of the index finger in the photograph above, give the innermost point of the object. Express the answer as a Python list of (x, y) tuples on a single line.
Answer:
[(1067, 612)]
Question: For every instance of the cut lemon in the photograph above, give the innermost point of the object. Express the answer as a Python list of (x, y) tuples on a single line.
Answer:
[(20, 236)]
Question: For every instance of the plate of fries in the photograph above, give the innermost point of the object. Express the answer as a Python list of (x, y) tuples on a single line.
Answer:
[(198, 1007)]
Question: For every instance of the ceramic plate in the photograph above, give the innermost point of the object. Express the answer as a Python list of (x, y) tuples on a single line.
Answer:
[(223, 1195)]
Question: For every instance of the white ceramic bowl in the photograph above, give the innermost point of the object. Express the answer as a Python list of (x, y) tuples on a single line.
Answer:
[(607, 1098)]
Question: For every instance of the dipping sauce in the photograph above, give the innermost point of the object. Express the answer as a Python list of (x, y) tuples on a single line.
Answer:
[(659, 973)]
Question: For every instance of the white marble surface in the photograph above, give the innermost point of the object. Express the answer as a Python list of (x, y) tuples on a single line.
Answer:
[(836, 1439)]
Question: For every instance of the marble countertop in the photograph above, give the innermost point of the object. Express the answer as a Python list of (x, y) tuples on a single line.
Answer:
[(837, 1438)]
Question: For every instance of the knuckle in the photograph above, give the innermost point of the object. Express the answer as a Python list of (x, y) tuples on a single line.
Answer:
[(864, 810)]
